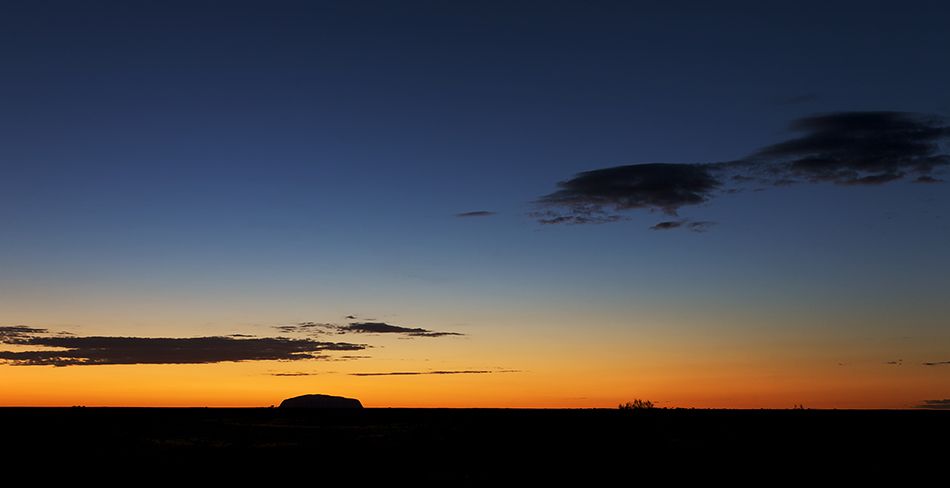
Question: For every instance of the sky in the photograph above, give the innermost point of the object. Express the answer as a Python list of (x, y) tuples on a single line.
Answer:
[(475, 204)]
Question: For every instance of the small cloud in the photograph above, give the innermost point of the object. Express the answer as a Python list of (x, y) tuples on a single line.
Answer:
[(668, 225), (879, 179), (937, 364), (693, 226), (292, 374), (13, 332), (480, 213), (700, 226), (927, 179), (313, 327)]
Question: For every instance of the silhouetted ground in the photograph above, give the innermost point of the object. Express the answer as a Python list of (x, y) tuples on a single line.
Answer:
[(472, 445)]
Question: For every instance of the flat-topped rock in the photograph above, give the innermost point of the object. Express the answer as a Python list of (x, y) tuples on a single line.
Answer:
[(320, 401)]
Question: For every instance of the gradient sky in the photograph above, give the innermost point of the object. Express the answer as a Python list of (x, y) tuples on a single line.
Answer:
[(475, 204)]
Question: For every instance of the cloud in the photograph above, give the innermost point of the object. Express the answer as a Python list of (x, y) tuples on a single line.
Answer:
[(362, 328), (593, 196), (860, 148), (480, 213), (846, 148), (668, 225), (384, 328), (414, 373), (941, 363), (693, 226), (700, 226), (13, 332), (936, 404), (305, 327), (60, 350), (927, 179)]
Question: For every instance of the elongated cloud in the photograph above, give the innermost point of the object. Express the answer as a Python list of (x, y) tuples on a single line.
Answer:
[(850, 148), (363, 328), (384, 328), (414, 373), (67, 350), (693, 226), (943, 404), (480, 213)]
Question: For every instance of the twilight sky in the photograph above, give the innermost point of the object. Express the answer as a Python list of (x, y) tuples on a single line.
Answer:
[(475, 204)]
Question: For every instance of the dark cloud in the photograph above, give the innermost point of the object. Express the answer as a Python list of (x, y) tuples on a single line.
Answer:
[(552, 217), (936, 404), (73, 350), (849, 148), (927, 179), (481, 213), (668, 225), (593, 196), (860, 148), (306, 327), (693, 226), (12, 332), (384, 328), (941, 363), (362, 328)]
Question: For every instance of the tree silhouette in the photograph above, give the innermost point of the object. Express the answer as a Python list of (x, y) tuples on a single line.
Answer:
[(636, 404)]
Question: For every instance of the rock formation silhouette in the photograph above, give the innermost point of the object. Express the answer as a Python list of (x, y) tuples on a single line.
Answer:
[(320, 401)]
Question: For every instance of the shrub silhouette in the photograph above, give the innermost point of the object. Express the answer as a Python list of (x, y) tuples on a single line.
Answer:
[(636, 404)]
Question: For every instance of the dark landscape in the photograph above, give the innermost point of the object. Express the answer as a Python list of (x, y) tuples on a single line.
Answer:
[(474, 445)]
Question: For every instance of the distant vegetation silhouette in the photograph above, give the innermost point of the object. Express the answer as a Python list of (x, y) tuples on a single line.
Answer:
[(637, 404)]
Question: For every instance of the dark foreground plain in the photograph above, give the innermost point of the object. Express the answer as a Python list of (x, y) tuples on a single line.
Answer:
[(276, 445)]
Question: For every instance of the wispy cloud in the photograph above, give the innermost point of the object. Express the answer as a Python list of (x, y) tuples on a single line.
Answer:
[(384, 328), (480, 213), (362, 328), (848, 148), (693, 226), (414, 373), (68, 350)]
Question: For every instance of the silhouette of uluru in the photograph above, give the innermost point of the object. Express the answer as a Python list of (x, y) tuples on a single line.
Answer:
[(320, 401)]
